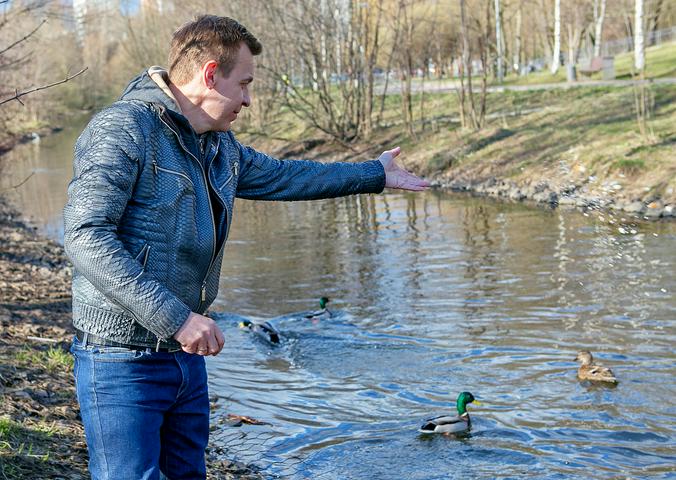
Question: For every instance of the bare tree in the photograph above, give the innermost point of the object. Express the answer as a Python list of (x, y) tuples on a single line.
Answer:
[(642, 95), (516, 58), (546, 33), (334, 44), (472, 109), (557, 38), (639, 43), (654, 19), (599, 16), (28, 65), (406, 66), (498, 41), (465, 67), (577, 23)]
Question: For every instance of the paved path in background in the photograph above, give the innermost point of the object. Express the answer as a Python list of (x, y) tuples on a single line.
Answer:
[(449, 86)]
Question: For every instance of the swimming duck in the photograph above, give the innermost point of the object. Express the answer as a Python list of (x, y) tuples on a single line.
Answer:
[(323, 313), (595, 373), (452, 423), (264, 329)]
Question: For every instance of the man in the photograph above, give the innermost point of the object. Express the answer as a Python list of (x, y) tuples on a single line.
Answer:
[(148, 213)]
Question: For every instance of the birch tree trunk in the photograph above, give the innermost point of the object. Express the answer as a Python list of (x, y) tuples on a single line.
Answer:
[(517, 41), (498, 41), (556, 54), (543, 23), (598, 29), (465, 69), (639, 44), (642, 94)]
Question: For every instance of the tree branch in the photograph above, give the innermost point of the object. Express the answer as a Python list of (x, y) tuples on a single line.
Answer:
[(18, 95), (23, 39), (13, 187)]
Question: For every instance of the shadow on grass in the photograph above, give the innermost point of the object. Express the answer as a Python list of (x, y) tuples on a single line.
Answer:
[(443, 160), (647, 148)]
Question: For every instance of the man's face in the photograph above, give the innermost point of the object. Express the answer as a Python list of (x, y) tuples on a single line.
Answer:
[(230, 94)]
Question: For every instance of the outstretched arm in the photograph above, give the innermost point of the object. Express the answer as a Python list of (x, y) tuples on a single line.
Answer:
[(397, 177), (266, 178)]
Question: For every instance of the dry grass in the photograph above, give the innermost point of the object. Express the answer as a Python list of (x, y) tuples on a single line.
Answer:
[(578, 136)]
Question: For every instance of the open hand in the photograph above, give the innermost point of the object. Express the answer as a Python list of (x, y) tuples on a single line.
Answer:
[(397, 177)]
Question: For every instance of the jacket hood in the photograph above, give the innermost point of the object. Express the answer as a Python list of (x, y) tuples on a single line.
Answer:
[(152, 86)]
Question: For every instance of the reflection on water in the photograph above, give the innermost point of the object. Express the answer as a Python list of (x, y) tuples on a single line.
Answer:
[(435, 294), (440, 294), (43, 170)]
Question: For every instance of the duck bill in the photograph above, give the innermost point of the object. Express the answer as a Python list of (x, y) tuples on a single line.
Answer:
[(477, 402)]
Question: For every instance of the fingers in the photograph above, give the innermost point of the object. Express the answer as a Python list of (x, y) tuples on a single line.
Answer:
[(397, 177), (209, 346), (413, 187), (214, 348), (200, 335), (220, 339), (404, 180), (412, 182)]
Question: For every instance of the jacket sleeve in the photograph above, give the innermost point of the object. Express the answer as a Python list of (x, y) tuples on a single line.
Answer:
[(265, 178), (108, 156)]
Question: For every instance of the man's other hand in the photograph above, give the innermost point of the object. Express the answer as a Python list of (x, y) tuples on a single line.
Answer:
[(397, 177), (200, 335)]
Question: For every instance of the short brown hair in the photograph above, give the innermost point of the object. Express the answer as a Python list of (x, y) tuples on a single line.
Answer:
[(208, 37)]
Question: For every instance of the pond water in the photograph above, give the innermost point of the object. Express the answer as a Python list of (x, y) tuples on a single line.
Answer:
[(432, 294)]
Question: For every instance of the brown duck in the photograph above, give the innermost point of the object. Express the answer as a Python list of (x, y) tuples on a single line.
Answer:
[(595, 373)]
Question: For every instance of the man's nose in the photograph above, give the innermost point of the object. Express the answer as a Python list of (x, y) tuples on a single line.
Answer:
[(246, 99)]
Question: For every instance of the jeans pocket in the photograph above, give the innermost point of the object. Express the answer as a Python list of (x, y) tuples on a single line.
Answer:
[(118, 354), (102, 351)]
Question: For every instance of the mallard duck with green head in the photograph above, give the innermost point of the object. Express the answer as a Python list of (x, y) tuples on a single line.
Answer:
[(459, 423), (592, 372), (263, 329), (323, 313)]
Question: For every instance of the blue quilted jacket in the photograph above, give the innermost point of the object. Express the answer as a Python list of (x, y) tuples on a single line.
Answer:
[(149, 209)]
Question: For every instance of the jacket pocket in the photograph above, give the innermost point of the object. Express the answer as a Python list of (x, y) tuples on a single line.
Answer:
[(157, 169), (170, 186)]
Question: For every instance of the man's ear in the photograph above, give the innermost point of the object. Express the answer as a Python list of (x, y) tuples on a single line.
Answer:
[(209, 74)]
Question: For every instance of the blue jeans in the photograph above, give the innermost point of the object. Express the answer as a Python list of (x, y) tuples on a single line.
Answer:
[(144, 412)]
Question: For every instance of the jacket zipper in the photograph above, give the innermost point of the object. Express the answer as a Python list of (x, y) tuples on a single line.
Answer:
[(235, 167), (235, 172), (211, 209), (144, 253), (157, 168)]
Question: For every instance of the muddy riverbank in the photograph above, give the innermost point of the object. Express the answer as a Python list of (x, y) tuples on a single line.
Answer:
[(41, 434)]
